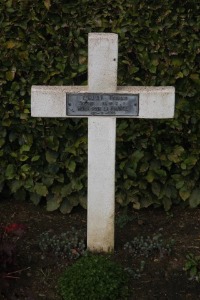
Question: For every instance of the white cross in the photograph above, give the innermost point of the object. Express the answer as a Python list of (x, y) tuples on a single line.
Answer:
[(102, 111)]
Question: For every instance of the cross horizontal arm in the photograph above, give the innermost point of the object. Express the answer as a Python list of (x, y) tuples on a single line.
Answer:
[(154, 102)]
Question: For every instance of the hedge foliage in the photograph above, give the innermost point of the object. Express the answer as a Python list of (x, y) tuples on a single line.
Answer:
[(45, 42)]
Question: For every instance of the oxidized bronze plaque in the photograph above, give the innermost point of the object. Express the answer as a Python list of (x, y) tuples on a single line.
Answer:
[(97, 104)]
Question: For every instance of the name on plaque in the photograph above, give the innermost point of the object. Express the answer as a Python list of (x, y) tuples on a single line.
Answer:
[(97, 104)]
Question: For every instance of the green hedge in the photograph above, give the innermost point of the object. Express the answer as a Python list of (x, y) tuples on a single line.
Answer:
[(45, 42)]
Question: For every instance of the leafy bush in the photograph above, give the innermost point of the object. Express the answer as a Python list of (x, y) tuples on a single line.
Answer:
[(94, 277), (45, 43)]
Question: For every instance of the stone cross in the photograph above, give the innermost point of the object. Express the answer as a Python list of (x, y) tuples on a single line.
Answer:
[(102, 102)]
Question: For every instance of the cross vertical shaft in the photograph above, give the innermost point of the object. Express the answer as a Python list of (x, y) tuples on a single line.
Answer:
[(102, 108), (102, 78)]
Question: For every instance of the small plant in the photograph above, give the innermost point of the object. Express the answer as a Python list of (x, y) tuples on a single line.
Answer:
[(192, 267), (136, 274), (141, 246), (94, 278), (9, 235), (67, 245), (124, 219)]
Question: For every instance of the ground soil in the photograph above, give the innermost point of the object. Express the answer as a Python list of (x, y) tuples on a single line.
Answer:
[(162, 278)]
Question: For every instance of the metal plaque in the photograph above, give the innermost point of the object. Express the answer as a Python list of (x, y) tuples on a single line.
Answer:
[(97, 104)]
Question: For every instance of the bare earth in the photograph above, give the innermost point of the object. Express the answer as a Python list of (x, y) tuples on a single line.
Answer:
[(163, 276)]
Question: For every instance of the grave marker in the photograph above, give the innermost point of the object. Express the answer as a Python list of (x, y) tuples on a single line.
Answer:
[(102, 102)]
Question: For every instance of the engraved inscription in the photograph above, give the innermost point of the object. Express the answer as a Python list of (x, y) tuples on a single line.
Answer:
[(91, 104)]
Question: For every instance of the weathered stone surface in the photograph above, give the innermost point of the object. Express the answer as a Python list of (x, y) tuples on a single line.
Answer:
[(154, 102)]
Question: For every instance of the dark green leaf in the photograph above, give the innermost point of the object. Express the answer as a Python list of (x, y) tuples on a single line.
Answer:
[(66, 206), (194, 199), (10, 172), (41, 189)]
